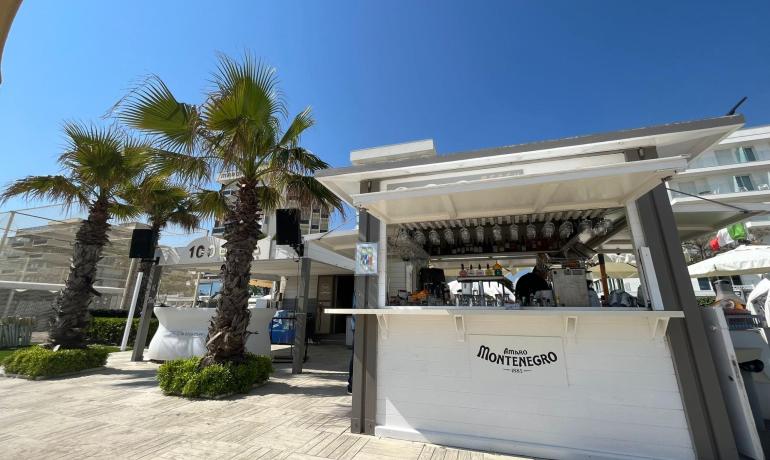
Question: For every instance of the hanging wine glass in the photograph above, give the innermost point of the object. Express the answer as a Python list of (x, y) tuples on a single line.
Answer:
[(449, 236), (513, 231), (433, 237), (548, 229), (479, 234), (419, 237), (402, 239), (465, 236), (531, 232), (585, 227), (607, 225), (497, 233), (565, 229)]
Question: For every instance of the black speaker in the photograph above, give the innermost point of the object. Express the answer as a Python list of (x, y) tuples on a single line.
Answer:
[(287, 227), (141, 244)]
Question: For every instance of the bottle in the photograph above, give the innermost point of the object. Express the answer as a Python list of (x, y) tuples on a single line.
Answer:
[(498, 269), (488, 271), (462, 273), (479, 272)]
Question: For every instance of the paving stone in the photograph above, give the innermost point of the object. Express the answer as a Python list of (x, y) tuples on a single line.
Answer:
[(119, 413)]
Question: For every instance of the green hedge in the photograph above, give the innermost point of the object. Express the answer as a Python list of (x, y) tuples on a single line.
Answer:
[(109, 331), (181, 377), (42, 362), (705, 301), (114, 313)]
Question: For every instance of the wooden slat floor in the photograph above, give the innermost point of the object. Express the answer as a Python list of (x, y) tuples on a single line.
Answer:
[(119, 412)]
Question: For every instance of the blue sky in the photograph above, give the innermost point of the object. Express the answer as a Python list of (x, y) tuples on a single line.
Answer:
[(466, 74)]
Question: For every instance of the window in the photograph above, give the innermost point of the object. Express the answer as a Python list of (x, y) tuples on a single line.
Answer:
[(704, 284), (736, 280), (744, 183), (724, 157), (745, 154)]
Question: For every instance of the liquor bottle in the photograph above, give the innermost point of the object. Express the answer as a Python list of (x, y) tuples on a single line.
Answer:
[(463, 273), (479, 272), (498, 269), (488, 271)]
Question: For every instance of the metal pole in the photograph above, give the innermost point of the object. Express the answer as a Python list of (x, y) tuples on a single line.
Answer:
[(130, 319), (11, 216), (126, 288), (603, 274), (197, 285), (146, 315)]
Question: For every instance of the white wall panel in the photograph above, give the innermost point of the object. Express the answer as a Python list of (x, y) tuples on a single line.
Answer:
[(621, 398)]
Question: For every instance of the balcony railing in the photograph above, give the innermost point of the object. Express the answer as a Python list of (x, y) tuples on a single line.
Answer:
[(227, 176)]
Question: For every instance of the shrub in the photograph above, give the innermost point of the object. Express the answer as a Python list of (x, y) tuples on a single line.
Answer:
[(114, 313), (181, 377), (42, 362), (705, 301), (109, 331)]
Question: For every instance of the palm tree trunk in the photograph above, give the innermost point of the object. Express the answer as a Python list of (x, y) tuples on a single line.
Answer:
[(227, 332), (68, 328), (146, 266)]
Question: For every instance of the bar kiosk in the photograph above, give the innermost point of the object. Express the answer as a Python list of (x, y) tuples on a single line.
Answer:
[(541, 379)]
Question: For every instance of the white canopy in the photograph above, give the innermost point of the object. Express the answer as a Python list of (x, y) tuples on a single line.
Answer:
[(617, 266), (742, 260)]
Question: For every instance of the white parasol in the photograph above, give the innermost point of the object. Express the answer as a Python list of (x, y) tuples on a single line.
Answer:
[(742, 260)]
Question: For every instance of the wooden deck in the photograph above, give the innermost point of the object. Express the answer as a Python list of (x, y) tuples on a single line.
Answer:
[(119, 412)]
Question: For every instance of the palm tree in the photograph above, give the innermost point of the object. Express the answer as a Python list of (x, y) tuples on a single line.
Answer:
[(98, 164), (164, 204), (238, 128)]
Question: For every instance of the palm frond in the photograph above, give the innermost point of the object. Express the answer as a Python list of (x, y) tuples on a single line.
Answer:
[(307, 190), (55, 188), (152, 107), (270, 198), (192, 169), (298, 125), (296, 160), (185, 217), (124, 211), (210, 204)]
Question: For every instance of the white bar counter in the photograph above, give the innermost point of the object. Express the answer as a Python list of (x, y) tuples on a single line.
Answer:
[(555, 382), (182, 332)]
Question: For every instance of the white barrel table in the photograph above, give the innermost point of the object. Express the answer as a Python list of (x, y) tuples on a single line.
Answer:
[(182, 332)]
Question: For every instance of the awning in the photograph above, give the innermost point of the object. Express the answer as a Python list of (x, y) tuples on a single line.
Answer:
[(208, 254), (21, 286), (558, 186), (743, 260)]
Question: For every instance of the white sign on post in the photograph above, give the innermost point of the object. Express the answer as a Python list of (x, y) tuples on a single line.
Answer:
[(512, 359), (366, 258)]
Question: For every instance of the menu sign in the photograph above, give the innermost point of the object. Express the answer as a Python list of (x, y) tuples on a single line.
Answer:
[(512, 359)]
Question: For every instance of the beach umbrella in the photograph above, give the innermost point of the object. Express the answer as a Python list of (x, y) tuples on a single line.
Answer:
[(743, 260)]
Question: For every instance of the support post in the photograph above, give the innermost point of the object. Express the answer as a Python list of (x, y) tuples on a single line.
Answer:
[(131, 309), (603, 274), (146, 316), (300, 313), (125, 300), (11, 216), (699, 386), (364, 406)]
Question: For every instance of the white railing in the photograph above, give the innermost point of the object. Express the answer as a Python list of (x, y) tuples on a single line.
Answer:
[(226, 176)]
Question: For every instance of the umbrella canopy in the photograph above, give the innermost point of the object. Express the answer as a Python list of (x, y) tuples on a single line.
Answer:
[(616, 270), (743, 260), (616, 266)]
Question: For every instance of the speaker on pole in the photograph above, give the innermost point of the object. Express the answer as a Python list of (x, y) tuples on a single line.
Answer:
[(287, 227), (141, 244)]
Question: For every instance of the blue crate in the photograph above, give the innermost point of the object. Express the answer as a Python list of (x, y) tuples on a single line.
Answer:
[(282, 328)]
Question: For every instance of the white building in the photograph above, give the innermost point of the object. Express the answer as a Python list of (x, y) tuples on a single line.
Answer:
[(313, 219), (735, 173)]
